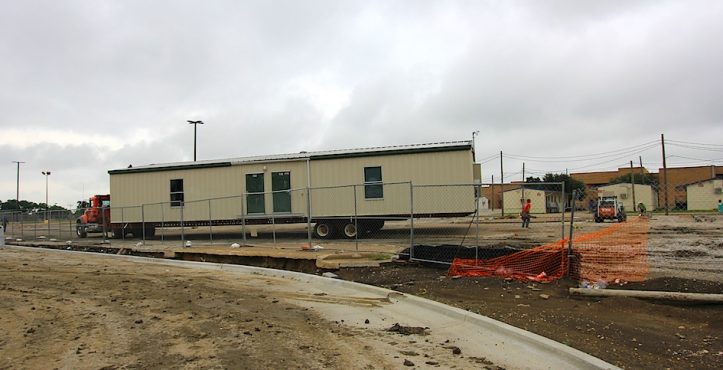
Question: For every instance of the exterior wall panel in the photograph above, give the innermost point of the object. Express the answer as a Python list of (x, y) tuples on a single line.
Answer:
[(703, 197), (225, 186), (643, 194)]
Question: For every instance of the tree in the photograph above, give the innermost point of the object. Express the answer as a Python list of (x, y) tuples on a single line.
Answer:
[(642, 179)]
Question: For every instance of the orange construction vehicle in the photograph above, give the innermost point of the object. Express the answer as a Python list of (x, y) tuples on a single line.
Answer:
[(95, 218), (608, 208)]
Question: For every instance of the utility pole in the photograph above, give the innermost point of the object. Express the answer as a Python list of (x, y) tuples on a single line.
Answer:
[(502, 186), (523, 181), (194, 123), (17, 185), (492, 203), (632, 184), (665, 174)]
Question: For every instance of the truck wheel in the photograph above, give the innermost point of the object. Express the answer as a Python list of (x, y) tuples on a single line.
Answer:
[(598, 219), (324, 230), (349, 230), (80, 230)]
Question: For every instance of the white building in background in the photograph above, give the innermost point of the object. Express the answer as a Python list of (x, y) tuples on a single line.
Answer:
[(643, 194), (704, 195)]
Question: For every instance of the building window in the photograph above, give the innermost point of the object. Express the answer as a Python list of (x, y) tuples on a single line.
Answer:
[(373, 188), (177, 193)]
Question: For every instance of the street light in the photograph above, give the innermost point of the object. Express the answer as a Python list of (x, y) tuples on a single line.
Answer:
[(195, 124), (46, 173), (17, 186)]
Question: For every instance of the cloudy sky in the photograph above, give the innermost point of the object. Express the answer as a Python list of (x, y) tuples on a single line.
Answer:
[(88, 86)]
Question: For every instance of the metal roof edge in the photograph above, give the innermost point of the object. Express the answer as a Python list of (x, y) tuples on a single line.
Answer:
[(321, 155), (169, 168), (391, 151)]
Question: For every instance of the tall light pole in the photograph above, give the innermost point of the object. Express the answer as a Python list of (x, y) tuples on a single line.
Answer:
[(46, 173), (17, 185), (195, 124)]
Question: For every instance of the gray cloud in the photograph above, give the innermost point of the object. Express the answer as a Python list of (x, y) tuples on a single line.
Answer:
[(537, 78)]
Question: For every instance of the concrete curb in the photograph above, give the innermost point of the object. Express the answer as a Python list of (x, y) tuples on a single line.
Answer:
[(575, 358)]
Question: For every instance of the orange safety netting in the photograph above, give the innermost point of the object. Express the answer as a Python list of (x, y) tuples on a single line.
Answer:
[(615, 252)]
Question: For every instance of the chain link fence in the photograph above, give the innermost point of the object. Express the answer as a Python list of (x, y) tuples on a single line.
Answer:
[(672, 231)]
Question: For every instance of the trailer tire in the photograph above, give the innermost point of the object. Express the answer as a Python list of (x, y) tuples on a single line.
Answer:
[(349, 230), (80, 230), (324, 230)]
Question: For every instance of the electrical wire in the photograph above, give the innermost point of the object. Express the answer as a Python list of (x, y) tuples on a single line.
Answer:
[(692, 143), (698, 147), (607, 153), (623, 154)]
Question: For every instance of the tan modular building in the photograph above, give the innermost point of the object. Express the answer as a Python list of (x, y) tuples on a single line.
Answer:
[(332, 184), (624, 192), (704, 195), (543, 201)]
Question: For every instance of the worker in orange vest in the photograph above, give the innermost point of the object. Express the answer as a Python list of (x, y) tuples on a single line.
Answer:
[(525, 214)]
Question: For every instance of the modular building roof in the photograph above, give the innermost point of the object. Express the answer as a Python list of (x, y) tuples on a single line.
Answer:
[(303, 155)]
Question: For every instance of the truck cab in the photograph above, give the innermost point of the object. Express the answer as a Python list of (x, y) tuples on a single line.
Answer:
[(96, 217), (608, 208)]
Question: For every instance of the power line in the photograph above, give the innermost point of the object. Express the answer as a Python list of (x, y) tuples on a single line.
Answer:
[(618, 154), (698, 147), (690, 142), (611, 152)]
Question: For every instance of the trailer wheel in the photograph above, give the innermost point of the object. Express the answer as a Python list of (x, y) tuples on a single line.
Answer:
[(349, 230), (324, 230), (80, 230)]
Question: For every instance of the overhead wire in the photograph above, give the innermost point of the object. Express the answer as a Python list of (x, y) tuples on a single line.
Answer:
[(606, 153)]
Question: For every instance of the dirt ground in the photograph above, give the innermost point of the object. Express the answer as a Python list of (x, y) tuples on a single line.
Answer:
[(88, 311), (685, 254), (630, 333)]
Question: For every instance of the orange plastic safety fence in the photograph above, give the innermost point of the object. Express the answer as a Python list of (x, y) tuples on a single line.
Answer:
[(618, 251)]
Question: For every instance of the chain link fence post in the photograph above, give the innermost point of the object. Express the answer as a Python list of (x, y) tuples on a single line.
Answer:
[(562, 217), (210, 221), (411, 221), (572, 228), (476, 211), (143, 223), (243, 217), (183, 229), (308, 215), (356, 217)]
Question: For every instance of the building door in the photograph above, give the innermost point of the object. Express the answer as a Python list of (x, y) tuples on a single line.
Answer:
[(281, 186), (255, 190)]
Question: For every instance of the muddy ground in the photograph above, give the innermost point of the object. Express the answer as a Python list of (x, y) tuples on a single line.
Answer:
[(630, 333)]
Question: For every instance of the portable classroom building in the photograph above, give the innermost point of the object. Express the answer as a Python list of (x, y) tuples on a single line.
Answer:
[(624, 192), (704, 195), (543, 201), (331, 184)]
